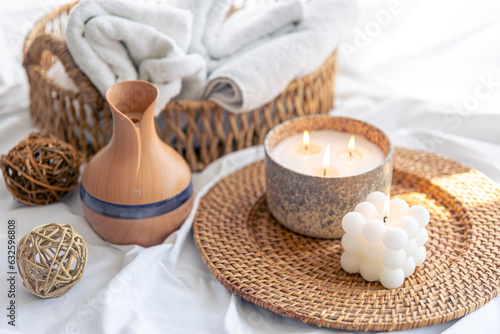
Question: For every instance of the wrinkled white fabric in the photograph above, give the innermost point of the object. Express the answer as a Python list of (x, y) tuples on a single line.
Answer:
[(13, 92)]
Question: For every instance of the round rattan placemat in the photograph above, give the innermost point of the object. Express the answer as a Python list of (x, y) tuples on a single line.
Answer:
[(299, 277)]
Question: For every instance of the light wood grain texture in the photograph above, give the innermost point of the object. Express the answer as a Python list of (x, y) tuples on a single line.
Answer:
[(136, 167)]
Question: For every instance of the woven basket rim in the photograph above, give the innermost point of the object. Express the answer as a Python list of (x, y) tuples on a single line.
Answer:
[(228, 248)]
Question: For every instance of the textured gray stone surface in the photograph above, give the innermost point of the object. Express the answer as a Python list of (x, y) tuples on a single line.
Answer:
[(312, 205)]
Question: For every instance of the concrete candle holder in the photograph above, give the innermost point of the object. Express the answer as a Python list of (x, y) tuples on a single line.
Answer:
[(313, 205)]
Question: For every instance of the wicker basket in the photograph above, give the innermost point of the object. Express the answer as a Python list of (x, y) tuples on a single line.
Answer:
[(83, 118)]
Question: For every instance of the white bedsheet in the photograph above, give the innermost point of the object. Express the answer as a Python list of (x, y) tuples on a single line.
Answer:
[(408, 81)]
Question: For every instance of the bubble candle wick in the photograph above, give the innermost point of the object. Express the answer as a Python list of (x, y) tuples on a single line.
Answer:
[(387, 208)]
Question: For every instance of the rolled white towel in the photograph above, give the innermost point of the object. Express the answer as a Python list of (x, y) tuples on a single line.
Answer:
[(249, 79), (208, 16), (216, 36), (253, 24), (116, 40)]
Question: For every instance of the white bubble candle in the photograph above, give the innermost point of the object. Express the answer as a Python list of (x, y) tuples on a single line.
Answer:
[(384, 239)]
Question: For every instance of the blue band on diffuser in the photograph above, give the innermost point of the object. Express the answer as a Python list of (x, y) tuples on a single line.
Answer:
[(135, 211)]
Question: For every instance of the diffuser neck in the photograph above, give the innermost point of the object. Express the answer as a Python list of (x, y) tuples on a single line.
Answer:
[(132, 105)]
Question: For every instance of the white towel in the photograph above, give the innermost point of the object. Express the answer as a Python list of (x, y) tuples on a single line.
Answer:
[(217, 36), (251, 78), (208, 16), (116, 40), (253, 24)]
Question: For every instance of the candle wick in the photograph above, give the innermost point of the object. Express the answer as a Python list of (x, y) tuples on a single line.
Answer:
[(350, 154), (306, 147), (385, 219), (324, 172)]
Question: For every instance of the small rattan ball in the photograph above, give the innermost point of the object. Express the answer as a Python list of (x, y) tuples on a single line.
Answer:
[(51, 259), (41, 169)]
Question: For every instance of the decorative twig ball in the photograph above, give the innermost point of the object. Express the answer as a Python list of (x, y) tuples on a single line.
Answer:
[(51, 259), (41, 169)]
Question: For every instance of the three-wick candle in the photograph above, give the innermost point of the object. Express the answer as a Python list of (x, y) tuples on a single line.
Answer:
[(310, 190), (310, 158)]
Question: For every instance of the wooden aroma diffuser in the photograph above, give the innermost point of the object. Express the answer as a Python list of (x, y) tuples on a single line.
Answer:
[(137, 189)]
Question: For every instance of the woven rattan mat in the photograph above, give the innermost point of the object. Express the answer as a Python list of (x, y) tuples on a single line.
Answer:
[(256, 258)]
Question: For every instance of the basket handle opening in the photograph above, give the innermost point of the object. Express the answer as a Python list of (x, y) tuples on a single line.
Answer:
[(33, 57)]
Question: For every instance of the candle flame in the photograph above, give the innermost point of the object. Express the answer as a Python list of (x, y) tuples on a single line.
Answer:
[(326, 160), (387, 207), (305, 139), (350, 146)]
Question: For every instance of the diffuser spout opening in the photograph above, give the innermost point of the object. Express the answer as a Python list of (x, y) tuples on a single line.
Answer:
[(132, 98)]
